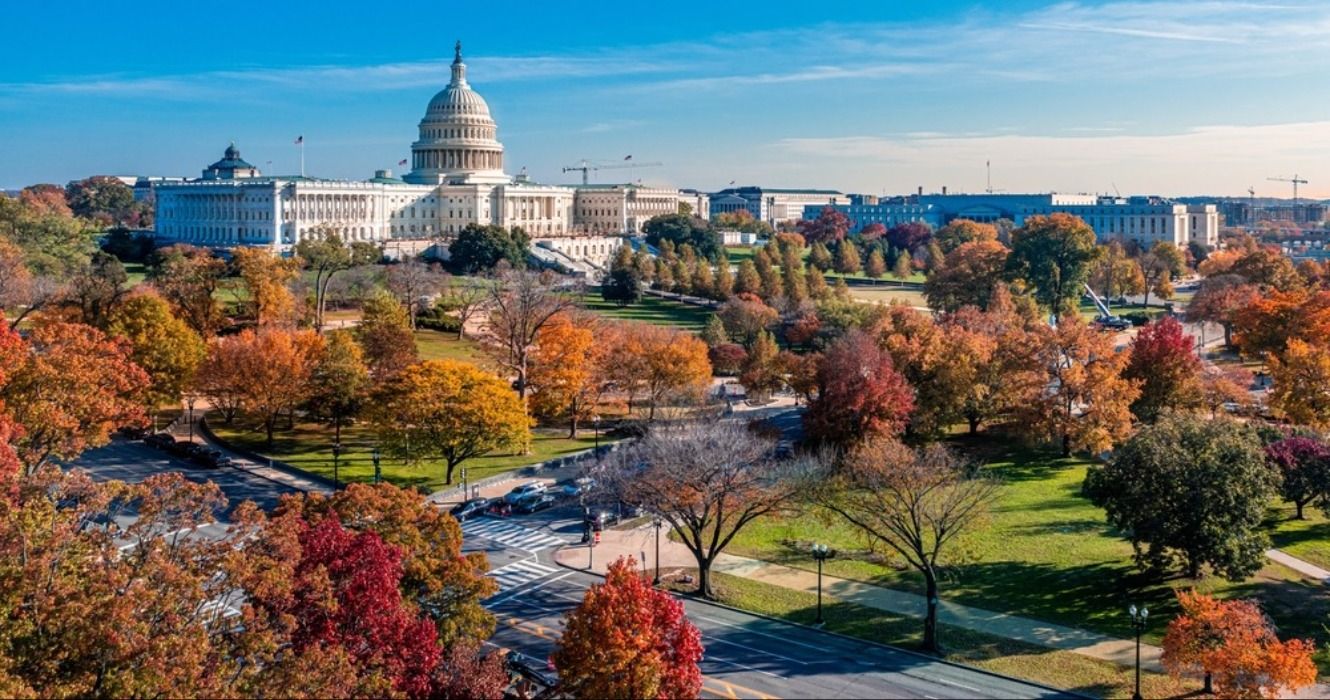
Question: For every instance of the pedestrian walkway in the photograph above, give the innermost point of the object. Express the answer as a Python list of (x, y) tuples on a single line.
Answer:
[(510, 534), (520, 572), (1305, 568), (182, 430), (640, 543)]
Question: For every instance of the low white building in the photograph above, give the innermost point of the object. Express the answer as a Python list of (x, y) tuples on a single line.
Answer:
[(624, 209)]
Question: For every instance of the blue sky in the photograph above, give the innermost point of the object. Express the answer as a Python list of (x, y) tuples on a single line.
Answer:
[(1168, 97)]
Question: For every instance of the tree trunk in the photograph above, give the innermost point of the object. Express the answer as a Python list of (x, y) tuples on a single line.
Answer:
[(268, 425), (930, 644), (1066, 444), (704, 588), (1298, 505), (572, 430), (974, 425), (1228, 334), (1147, 296), (448, 477)]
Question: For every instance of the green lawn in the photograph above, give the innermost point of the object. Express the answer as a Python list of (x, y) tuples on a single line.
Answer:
[(438, 345), (1044, 552), (1307, 539), (136, 273), (1060, 669), (650, 309), (309, 447), (886, 295)]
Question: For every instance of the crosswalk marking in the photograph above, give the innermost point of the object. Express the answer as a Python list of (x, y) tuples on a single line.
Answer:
[(510, 534), (520, 572)]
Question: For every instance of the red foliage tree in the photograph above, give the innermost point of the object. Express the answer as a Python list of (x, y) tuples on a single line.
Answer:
[(859, 393), (1168, 369), (1305, 465), (872, 232), (909, 236), (727, 358), (1233, 642), (830, 226), (345, 595), (629, 640)]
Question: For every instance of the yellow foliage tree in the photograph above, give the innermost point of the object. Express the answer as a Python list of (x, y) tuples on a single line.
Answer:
[(451, 409), (266, 277), (160, 342), (1301, 391)]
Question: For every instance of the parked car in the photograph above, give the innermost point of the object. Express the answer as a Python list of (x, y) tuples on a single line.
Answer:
[(533, 503), (159, 440), (184, 449), (132, 433), (577, 487), (524, 491), (600, 519), (470, 508), (209, 457)]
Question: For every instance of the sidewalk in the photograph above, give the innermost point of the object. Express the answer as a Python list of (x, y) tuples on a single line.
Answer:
[(641, 542), (180, 430), (1305, 568)]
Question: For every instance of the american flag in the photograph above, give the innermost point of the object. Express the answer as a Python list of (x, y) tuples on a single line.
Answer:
[(627, 157), (402, 162), (300, 139)]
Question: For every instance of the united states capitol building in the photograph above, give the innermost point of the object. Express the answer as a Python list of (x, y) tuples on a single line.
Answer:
[(457, 178)]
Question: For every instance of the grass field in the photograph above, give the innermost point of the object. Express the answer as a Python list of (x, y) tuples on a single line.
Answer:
[(309, 447), (1044, 552), (1307, 539), (886, 295), (438, 345), (1061, 669), (650, 309)]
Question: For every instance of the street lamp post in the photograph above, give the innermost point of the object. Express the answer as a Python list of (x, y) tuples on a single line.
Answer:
[(1138, 617), (337, 455), (595, 426), (821, 553), (190, 402), (376, 456), (466, 491), (657, 522)]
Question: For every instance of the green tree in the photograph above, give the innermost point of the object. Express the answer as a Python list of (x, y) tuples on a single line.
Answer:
[(679, 229), (385, 336), (623, 283), (101, 198), (847, 258), (338, 383), (819, 256), (97, 290), (189, 278), (479, 248), (1053, 254), (325, 254), (713, 334), (1162, 264), (766, 271), (1190, 492), (794, 285)]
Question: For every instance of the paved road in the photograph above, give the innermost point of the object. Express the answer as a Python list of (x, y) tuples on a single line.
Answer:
[(746, 656), (132, 461)]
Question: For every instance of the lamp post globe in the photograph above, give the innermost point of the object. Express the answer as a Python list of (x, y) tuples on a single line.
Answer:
[(1138, 616)]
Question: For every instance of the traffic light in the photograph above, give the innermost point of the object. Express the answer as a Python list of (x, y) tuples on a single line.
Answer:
[(596, 541)]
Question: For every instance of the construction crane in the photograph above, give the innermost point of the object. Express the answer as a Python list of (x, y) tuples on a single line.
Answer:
[(1251, 205), (1295, 180), (587, 166), (988, 178)]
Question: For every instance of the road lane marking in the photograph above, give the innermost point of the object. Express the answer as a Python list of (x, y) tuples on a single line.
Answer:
[(531, 589)]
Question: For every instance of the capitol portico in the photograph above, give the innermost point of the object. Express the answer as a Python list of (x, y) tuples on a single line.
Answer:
[(457, 178)]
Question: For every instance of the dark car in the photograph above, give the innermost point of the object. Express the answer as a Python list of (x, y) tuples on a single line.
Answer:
[(132, 433), (209, 457), (534, 503), (184, 449), (160, 440), (470, 508)]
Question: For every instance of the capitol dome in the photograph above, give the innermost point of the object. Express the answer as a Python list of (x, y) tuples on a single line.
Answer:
[(458, 138)]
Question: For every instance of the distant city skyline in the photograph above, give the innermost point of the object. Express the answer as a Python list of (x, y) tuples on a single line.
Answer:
[(1169, 98)]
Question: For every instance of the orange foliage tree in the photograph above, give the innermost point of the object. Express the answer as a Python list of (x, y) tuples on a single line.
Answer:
[(657, 361), (568, 369), (1232, 642), (628, 640), (1301, 377), (69, 390), (266, 372), (1267, 323)]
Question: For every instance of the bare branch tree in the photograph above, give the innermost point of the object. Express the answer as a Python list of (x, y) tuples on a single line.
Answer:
[(522, 302), (913, 501), (465, 298), (707, 479), (414, 281)]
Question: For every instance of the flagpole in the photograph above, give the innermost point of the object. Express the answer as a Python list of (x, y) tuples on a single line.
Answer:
[(302, 156)]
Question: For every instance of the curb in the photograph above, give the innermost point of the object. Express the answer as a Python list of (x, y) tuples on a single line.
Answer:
[(262, 461), (860, 640), (528, 471)]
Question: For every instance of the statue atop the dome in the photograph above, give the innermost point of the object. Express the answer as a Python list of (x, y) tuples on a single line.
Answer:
[(457, 52)]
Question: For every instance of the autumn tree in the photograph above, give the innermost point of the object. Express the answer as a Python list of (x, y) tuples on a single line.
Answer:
[(794, 286), (914, 503), (909, 236), (568, 376), (69, 390), (745, 318), (1235, 646), (1160, 265), (437, 575), (628, 640), (876, 266), (95, 291), (767, 274), (101, 198), (706, 479), (338, 382), (325, 253), (521, 303), (449, 409), (1165, 366), (761, 372), (847, 258), (413, 282), (1301, 376), (189, 278), (1115, 273), (961, 231), (1304, 467), (385, 336), (266, 279), (904, 267), (859, 393), (1218, 300), (746, 280), (161, 343), (830, 226), (1270, 321), (667, 362), (1189, 492), (819, 256), (274, 371), (967, 276), (1053, 254)]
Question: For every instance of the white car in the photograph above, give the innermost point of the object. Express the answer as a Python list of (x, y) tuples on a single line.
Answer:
[(578, 487), (524, 491)]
